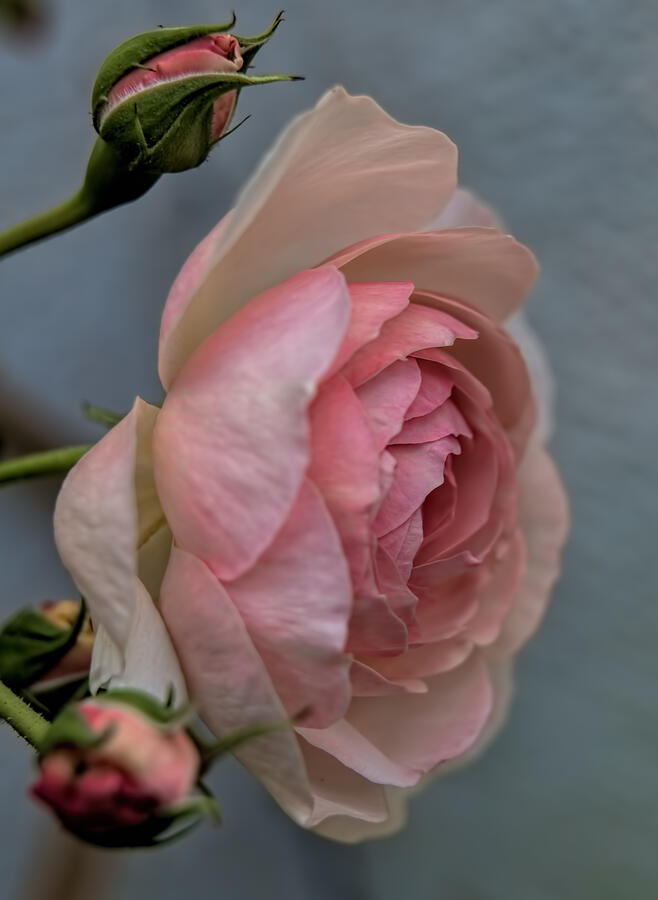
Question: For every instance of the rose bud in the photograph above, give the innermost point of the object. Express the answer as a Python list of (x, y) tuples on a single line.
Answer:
[(114, 775), (47, 645), (162, 99), (63, 614), (160, 102)]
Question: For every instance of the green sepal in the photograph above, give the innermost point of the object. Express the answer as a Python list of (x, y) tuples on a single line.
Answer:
[(163, 714), (167, 127), (249, 46), (140, 48), (49, 699), (31, 645), (70, 729), (209, 753)]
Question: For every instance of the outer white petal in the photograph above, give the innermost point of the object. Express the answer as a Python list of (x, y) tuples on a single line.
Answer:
[(106, 507)]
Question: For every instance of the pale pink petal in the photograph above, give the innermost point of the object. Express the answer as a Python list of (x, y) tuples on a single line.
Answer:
[(496, 362), (544, 519), (372, 305), (231, 443), (481, 266), (368, 681), (345, 467), (419, 470), (374, 627), (393, 584), (352, 748), (296, 603), (414, 329), (444, 420), (419, 731), (387, 397), (444, 609), (436, 385), (228, 680), (105, 508), (403, 542), (498, 590), (465, 208), (340, 173), (425, 661), (187, 280), (354, 830), (339, 793)]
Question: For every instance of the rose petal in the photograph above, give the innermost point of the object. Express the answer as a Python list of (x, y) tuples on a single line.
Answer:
[(425, 661), (387, 397), (231, 441), (372, 305), (345, 467), (296, 603), (348, 745), (332, 166), (480, 266), (97, 531), (441, 422), (369, 682), (339, 792), (429, 728), (419, 470), (228, 679), (544, 519), (415, 328), (465, 208)]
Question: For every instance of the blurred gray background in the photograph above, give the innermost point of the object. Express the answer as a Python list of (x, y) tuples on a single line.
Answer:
[(554, 106)]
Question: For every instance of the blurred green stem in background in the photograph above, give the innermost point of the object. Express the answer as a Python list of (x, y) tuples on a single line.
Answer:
[(49, 462), (107, 183)]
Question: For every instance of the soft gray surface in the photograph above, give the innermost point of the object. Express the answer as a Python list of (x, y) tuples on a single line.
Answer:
[(554, 107)]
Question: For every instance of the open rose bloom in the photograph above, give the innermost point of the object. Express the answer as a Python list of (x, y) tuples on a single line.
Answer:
[(343, 505)]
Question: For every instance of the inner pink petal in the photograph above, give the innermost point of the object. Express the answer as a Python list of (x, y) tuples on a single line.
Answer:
[(415, 328), (436, 385), (345, 467), (446, 419), (387, 397), (373, 304), (419, 470)]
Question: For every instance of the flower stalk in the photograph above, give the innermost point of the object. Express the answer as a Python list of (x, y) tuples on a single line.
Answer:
[(25, 721)]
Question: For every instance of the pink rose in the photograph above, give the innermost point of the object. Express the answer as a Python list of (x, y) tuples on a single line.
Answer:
[(364, 522), (142, 771)]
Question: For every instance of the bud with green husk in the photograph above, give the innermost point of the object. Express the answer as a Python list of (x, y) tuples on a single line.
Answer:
[(160, 102)]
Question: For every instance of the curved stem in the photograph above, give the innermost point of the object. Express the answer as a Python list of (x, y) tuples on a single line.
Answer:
[(72, 211), (47, 463), (22, 718)]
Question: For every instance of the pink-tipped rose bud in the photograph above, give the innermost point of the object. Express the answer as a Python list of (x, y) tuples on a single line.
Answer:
[(163, 98), (115, 777), (213, 53)]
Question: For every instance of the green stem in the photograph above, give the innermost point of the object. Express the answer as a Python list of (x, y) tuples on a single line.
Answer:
[(47, 463), (22, 718), (74, 210), (107, 183)]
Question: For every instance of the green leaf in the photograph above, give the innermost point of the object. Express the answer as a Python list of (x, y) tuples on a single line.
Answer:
[(31, 645)]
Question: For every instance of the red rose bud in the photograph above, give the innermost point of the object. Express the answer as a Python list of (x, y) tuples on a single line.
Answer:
[(162, 99), (115, 776)]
